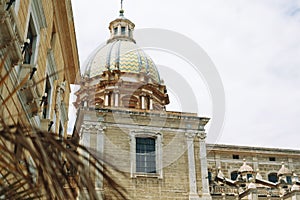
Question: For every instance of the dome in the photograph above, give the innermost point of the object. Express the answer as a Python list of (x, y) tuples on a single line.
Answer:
[(123, 55), (245, 168)]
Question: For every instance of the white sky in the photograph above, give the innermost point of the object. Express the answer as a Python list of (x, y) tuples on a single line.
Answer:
[(255, 45)]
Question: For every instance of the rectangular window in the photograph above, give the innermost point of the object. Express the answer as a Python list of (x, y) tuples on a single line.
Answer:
[(29, 46), (145, 155), (272, 159), (116, 31), (235, 156), (123, 30)]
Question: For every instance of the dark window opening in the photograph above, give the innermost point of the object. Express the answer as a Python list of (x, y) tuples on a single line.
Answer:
[(289, 179), (272, 159), (249, 176), (46, 99), (147, 102), (234, 175), (60, 131), (235, 156), (116, 31), (272, 177), (30, 43), (209, 176), (123, 30), (145, 155)]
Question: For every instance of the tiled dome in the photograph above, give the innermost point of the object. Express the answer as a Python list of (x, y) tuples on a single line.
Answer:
[(123, 55)]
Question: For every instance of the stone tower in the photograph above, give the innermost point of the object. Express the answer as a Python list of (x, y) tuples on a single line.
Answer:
[(122, 115)]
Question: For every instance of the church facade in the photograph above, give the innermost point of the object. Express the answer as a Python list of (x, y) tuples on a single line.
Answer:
[(159, 154)]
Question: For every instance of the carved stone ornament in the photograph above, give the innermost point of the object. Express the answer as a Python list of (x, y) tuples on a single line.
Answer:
[(201, 135)]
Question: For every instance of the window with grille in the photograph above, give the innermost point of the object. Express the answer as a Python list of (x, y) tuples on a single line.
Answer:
[(145, 155)]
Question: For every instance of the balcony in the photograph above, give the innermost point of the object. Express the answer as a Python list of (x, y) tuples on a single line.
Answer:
[(10, 35), (28, 90)]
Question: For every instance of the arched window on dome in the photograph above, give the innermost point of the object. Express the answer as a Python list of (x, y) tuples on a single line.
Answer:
[(272, 177)]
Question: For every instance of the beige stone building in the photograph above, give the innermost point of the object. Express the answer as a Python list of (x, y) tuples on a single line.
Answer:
[(158, 154), (39, 61), (273, 173)]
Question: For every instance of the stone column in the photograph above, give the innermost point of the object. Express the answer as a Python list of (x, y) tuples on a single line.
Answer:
[(106, 100), (100, 151), (119, 30), (255, 163), (203, 165), (85, 140), (151, 103), (117, 99), (193, 195), (132, 154), (143, 103), (159, 165)]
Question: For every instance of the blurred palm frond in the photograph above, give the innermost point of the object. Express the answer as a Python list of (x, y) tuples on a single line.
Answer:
[(36, 165)]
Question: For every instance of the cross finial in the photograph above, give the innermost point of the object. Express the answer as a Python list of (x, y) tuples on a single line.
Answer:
[(121, 11)]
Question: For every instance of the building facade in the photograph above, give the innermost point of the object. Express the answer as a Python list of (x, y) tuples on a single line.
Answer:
[(236, 170), (159, 154), (39, 61)]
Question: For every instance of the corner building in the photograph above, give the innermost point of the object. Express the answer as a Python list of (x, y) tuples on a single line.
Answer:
[(121, 114), (158, 154), (38, 62)]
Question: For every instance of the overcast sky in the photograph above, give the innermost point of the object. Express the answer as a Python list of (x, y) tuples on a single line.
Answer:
[(254, 44)]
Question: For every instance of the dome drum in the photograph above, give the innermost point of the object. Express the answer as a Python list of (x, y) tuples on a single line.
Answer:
[(119, 89)]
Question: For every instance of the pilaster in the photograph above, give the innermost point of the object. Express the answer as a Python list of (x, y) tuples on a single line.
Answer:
[(193, 194), (203, 164)]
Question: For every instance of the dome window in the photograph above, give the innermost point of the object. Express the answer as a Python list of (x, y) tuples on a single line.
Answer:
[(123, 30), (115, 30)]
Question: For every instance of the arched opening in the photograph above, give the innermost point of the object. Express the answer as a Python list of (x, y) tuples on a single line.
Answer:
[(234, 175), (272, 177)]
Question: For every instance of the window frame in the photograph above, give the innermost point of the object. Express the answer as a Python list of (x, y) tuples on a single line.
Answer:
[(145, 155), (158, 154)]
